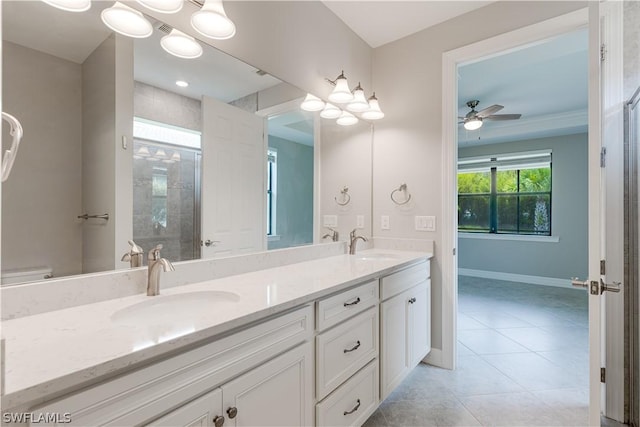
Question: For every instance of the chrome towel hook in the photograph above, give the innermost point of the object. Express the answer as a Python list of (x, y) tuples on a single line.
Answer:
[(11, 154), (402, 188), (346, 198)]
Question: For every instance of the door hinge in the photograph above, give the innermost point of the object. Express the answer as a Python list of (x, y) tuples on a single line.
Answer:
[(603, 268), (603, 52), (603, 157), (454, 251), (602, 375)]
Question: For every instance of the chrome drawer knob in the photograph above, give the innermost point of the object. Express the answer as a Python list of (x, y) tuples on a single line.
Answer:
[(218, 421), (232, 412)]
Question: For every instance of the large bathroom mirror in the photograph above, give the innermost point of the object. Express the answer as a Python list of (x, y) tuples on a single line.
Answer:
[(118, 128)]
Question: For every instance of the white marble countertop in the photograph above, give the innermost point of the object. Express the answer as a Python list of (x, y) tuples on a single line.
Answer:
[(52, 353)]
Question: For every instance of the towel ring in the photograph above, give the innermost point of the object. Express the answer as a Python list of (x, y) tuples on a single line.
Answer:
[(345, 196), (403, 188), (10, 154)]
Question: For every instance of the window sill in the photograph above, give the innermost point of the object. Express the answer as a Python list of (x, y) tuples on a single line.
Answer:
[(517, 237), (273, 238)]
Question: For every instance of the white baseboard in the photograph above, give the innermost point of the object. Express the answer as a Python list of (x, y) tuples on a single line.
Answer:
[(521, 278)]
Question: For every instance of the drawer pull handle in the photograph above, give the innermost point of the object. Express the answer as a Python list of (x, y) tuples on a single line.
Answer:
[(355, 408), (412, 300), (347, 304), (218, 421), (232, 412), (355, 347)]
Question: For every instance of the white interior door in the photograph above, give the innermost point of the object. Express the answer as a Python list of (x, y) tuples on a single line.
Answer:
[(233, 180)]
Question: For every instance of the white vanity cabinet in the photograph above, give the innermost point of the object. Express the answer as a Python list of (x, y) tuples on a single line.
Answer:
[(405, 331), (205, 411)]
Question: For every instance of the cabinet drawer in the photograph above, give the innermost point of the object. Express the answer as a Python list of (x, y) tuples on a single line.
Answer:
[(343, 350), (353, 402), (400, 281), (136, 397), (337, 308)]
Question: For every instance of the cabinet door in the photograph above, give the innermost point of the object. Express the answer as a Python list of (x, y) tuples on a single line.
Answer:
[(201, 412), (394, 343), (278, 393), (420, 322)]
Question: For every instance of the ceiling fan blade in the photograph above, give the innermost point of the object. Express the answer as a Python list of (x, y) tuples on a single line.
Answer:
[(504, 117), (489, 111)]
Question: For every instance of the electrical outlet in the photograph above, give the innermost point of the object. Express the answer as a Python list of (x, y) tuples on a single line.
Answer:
[(360, 221), (384, 222), (330, 220), (425, 223)]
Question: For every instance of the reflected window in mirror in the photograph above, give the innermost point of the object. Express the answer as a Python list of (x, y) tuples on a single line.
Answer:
[(272, 174), (166, 189)]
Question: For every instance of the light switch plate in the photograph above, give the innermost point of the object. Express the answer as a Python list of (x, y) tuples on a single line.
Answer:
[(330, 220), (360, 221), (384, 222), (425, 223)]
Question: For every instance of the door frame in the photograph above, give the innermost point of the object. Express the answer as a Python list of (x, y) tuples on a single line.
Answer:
[(493, 46)]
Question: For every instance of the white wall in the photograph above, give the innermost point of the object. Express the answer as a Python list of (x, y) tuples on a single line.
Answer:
[(41, 198), (407, 144)]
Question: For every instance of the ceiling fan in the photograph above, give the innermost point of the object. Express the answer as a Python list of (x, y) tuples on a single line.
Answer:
[(473, 120)]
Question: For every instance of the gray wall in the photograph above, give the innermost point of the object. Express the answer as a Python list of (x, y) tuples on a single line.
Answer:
[(42, 197), (294, 206), (564, 259), (159, 105), (631, 42)]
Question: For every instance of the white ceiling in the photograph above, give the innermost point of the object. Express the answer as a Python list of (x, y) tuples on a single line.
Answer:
[(381, 22), (545, 82)]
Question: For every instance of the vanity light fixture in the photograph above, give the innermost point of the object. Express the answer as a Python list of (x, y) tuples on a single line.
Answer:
[(347, 119), (70, 5), (374, 112), (312, 103), (473, 123), (341, 93), (162, 6), (181, 83), (127, 21), (181, 45), (143, 151), (330, 112), (176, 156), (359, 102), (212, 21)]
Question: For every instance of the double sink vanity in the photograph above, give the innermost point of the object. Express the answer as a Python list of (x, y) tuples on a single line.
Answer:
[(319, 342)]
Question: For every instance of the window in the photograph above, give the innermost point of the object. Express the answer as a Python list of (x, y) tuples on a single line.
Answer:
[(505, 194), (272, 176)]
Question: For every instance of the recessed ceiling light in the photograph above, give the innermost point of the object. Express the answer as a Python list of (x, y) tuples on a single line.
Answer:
[(127, 21), (182, 83), (70, 5)]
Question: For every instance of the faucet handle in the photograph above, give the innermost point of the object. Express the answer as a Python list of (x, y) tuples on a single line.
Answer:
[(135, 249), (353, 233), (154, 254)]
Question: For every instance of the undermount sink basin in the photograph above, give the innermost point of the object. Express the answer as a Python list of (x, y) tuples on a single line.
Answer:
[(376, 257), (164, 309)]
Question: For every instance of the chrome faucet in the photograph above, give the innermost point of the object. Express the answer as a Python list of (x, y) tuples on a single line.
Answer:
[(353, 240), (334, 235), (155, 263), (134, 256)]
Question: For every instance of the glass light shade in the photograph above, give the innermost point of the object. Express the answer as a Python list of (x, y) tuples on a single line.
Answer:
[(312, 103), (162, 6), (143, 151), (374, 112), (126, 21), (176, 156), (347, 119), (181, 45), (70, 5), (473, 123), (359, 102), (161, 154), (341, 93), (212, 21), (330, 112)]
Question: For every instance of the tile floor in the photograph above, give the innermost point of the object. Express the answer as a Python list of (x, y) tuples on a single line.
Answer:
[(522, 361)]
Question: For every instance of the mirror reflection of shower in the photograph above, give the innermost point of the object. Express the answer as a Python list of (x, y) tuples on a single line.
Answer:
[(166, 189)]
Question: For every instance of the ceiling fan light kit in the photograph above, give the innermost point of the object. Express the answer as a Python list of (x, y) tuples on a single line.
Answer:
[(474, 120)]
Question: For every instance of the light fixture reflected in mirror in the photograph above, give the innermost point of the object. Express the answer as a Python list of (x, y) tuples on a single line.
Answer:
[(347, 119), (473, 123), (126, 21), (341, 93), (182, 83), (312, 103), (162, 6), (374, 112), (143, 151), (330, 112), (70, 5), (212, 21), (181, 45), (359, 102)]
